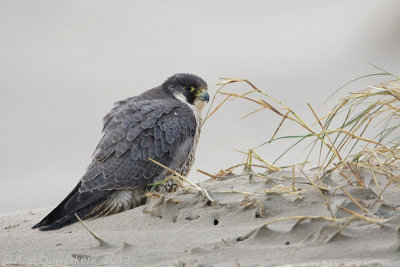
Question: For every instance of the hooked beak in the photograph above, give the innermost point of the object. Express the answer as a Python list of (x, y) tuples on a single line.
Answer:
[(203, 95)]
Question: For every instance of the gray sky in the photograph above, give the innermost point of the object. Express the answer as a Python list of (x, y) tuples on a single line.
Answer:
[(64, 63)]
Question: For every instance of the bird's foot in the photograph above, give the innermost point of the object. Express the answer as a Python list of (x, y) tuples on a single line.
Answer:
[(169, 186)]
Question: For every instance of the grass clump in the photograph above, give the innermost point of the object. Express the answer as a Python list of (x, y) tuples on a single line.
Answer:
[(362, 129)]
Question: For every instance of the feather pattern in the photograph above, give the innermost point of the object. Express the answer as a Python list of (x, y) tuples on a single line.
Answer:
[(133, 145)]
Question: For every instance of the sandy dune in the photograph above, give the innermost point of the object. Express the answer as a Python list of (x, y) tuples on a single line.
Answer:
[(187, 229)]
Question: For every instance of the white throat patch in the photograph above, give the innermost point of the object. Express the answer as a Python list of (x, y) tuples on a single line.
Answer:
[(182, 98), (196, 107)]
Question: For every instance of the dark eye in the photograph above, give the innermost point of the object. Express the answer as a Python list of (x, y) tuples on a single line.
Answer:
[(187, 88)]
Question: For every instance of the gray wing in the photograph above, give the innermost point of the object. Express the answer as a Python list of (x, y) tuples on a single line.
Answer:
[(161, 129)]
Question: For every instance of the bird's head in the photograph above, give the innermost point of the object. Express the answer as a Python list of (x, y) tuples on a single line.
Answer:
[(188, 88)]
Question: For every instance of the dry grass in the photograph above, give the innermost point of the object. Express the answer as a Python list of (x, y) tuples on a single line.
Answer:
[(347, 134), (361, 132)]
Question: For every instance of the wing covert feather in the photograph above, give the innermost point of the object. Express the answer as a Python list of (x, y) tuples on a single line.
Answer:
[(133, 131)]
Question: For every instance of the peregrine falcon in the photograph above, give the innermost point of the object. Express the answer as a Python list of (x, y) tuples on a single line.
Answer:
[(163, 124)]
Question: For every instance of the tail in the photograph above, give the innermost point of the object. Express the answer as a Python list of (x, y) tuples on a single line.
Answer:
[(80, 203)]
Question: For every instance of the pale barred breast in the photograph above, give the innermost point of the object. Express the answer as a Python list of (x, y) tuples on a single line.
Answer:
[(184, 169)]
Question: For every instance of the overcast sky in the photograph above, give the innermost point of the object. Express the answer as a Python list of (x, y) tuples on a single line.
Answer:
[(64, 63)]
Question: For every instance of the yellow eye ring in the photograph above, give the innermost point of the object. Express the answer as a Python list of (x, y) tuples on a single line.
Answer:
[(189, 88)]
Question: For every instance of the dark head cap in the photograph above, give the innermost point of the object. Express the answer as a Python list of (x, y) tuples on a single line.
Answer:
[(190, 86), (182, 79)]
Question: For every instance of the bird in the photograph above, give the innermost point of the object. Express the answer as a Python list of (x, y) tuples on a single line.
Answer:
[(163, 124)]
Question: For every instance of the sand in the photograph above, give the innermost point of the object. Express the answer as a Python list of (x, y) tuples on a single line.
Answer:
[(246, 228)]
